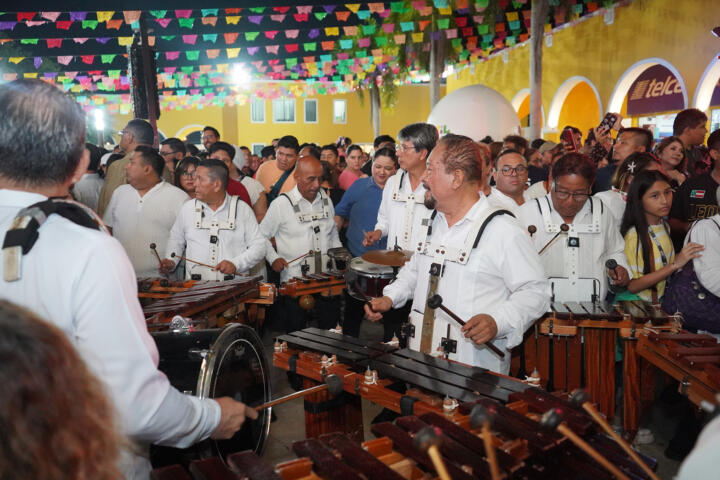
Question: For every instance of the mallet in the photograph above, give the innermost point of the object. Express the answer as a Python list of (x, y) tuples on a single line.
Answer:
[(482, 418), (563, 229), (173, 255), (352, 280), (436, 301), (300, 257), (531, 230), (333, 384), (580, 399), (552, 420), (153, 247), (428, 440)]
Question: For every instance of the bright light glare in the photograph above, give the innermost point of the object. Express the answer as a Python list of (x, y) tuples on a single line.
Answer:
[(99, 119), (239, 75)]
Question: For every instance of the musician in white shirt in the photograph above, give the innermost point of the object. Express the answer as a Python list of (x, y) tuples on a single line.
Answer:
[(302, 222), (575, 259), (707, 267), (214, 229), (496, 284), (402, 207), (80, 279), (510, 174)]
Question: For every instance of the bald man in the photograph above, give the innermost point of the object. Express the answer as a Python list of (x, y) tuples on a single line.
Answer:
[(301, 221)]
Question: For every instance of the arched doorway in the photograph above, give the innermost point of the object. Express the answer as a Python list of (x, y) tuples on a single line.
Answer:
[(577, 103), (707, 95)]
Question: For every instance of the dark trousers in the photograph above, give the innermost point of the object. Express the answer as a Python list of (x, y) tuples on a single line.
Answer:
[(392, 319), (288, 315)]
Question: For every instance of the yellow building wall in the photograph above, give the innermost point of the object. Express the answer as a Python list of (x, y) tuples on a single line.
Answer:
[(413, 105), (580, 110), (677, 33)]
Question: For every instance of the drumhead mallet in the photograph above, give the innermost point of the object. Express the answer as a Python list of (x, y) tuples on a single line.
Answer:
[(552, 420), (153, 247), (436, 301), (333, 384), (580, 399), (428, 440), (482, 418), (563, 229)]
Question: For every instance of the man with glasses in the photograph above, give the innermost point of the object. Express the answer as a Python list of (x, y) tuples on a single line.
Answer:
[(136, 132), (402, 208), (575, 234), (511, 174), (172, 150)]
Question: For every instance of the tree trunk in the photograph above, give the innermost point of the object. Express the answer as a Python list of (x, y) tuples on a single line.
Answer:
[(437, 64), (375, 108), (538, 14)]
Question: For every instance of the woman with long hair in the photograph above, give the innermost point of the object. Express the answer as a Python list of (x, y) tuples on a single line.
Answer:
[(671, 153), (648, 246), (355, 159), (55, 420)]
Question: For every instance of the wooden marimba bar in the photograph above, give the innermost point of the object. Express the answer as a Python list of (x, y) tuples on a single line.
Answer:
[(574, 346)]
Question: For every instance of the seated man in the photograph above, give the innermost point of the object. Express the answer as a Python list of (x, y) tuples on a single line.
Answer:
[(301, 222), (214, 229), (575, 234)]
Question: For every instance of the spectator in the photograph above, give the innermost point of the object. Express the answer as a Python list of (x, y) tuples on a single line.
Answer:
[(651, 255), (690, 127), (266, 154), (185, 175), (210, 135), (515, 142), (354, 158), (247, 188), (510, 175), (87, 190), (172, 150), (276, 175), (671, 153), (629, 140)]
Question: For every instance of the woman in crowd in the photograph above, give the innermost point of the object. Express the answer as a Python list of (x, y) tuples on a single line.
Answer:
[(614, 199), (648, 246), (671, 153), (185, 175), (55, 420), (330, 183), (360, 206), (354, 158)]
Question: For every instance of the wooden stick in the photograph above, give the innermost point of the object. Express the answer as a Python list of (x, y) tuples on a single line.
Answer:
[(153, 248), (589, 408), (301, 393), (173, 255), (490, 451), (438, 463), (580, 443), (300, 257), (563, 229)]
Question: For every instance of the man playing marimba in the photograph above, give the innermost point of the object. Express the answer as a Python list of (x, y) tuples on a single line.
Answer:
[(302, 222), (495, 283), (218, 231)]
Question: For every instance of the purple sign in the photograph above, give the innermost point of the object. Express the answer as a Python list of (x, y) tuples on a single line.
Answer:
[(655, 90), (715, 100)]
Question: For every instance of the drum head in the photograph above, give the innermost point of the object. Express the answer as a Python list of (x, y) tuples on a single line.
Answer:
[(367, 269), (236, 367)]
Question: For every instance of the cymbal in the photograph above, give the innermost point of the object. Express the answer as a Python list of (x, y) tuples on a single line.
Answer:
[(390, 258)]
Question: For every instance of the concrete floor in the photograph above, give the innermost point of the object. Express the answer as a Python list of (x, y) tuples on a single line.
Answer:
[(289, 425)]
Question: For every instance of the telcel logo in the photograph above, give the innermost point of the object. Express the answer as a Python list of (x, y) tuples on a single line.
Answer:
[(654, 88)]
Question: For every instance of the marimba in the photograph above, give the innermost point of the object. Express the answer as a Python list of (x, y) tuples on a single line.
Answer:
[(692, 359), (208, 304), (326, 283), (574, 346)]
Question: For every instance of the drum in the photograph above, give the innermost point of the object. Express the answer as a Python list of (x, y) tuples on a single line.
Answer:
[(227, 362), (339, 258), (371, 278)]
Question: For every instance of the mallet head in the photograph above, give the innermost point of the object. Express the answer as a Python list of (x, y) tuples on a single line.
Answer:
[(435, 301), (152, 246), (578, 397), (551, 419), (426, 438), (334, 384), (479, 416)]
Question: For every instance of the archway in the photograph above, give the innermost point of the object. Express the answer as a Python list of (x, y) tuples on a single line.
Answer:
[(577, 103), (709, 83), (190, 132), (631, 74), (521, 104)]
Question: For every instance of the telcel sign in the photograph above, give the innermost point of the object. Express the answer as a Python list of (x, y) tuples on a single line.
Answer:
[(655, 90)]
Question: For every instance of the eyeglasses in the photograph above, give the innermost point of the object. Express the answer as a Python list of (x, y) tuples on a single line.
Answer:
[(576, 196), (188, 174), (508, 170), (167, 153), (403, 148)]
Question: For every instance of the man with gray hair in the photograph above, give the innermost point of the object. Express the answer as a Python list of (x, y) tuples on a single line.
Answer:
[(495, 283), (60, 263), (136, 132)]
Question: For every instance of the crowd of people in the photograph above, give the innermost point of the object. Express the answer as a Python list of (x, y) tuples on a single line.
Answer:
[(497, 229)]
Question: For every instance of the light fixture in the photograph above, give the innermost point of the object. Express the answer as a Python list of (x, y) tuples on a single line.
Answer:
[(99, 117), (240, 76)]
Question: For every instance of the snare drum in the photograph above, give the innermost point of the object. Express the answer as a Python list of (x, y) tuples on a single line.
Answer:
[(371, 278), (221, 362)]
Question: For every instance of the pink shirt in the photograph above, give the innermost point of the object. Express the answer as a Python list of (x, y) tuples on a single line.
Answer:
[(347, 178)]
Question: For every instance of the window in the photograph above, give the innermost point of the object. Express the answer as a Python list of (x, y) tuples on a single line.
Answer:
[(257, 148), (311, 111), (257, 110), (284, 110), (339, 111)]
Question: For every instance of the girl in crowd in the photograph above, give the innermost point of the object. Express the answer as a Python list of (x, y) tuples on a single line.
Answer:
[(355, 159), (614, 199), (671, 153), (650, 252), (185, 175), (55, 420)]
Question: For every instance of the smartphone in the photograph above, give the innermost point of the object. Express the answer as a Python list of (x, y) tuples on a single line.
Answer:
[(568, 139), (610, 121)]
